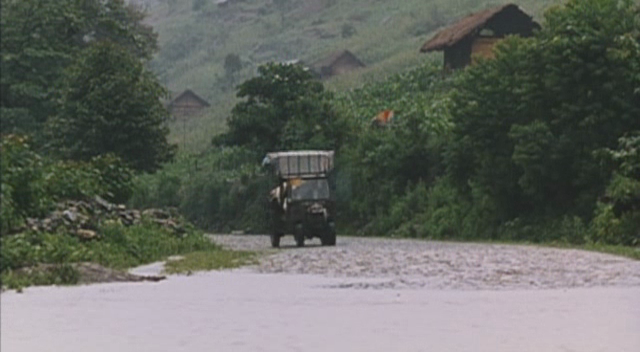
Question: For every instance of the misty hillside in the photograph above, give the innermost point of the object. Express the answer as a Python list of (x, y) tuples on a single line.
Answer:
[(196, 36)]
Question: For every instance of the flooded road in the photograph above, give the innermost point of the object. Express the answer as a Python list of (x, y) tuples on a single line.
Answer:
[(251, 310), (241, 311)]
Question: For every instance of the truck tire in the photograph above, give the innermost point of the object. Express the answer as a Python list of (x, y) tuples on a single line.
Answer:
[(299, 236), (275, 240), (329, 239)]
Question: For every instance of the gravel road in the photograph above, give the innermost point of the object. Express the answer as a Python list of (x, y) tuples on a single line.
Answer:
[(399, 263)]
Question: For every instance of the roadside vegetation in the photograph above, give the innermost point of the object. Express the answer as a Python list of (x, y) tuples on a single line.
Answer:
[(32, 258), (210, 260), (81, 118), (537, 145)]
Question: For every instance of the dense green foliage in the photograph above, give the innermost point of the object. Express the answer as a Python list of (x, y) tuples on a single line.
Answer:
[(284, 107), (618, 214), (222, 190), (110, 104), (40, 38), (74, 80), (528, 123), (526, 146), (403, 153), (32, 184)]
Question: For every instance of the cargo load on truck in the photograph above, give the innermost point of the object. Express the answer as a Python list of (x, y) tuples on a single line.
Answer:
[(300, 164)]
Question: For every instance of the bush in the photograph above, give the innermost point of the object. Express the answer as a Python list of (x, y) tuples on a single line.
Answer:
[(118, 247), (617, 217), (115, 176), (31, 183), (9, 217), (607, 228), (379, 163), (23, 177)]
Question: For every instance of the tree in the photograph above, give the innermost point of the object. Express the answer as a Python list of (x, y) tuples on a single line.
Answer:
[(232, 64), (284, 108), (527, 123), (40, 38), (111, 104)]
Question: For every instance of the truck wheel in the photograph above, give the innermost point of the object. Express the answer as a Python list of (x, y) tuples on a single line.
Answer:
[(329, 239), (275, 240), (298, 235)]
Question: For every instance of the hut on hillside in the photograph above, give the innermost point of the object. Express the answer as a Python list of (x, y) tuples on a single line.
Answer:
[(337, 63), (187, 104), (478, 33)]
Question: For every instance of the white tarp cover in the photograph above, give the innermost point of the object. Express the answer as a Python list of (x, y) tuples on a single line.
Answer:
[(301, 163)]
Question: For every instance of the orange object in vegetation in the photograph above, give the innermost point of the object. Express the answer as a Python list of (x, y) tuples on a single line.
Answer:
[(383, 117)]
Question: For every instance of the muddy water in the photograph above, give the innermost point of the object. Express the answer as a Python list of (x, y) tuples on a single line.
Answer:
[(248, 311)]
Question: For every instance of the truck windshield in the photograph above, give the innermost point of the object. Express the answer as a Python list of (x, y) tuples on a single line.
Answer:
[(311, 190)]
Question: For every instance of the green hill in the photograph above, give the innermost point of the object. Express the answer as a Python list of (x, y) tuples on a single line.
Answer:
[(196, 36)]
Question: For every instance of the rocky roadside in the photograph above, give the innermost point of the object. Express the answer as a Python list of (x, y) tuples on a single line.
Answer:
[(371, 263), (82, 218)]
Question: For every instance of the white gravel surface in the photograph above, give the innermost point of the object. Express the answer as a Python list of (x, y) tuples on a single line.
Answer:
[(362, 295), (442, 265)]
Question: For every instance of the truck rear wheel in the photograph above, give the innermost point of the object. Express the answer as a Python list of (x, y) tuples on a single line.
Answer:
[(299, 236), (329, 239)]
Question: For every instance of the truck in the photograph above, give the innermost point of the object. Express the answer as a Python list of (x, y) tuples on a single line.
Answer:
[(302, 203)]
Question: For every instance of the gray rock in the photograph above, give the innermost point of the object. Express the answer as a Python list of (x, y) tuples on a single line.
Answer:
[(102, 202), (156, 213), (70, 215)]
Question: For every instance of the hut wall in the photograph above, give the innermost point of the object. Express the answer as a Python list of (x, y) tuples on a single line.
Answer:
[(483, 47), (343, 65), (186, 106), (458, 56)]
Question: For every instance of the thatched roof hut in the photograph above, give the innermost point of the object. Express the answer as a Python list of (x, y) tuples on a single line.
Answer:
[(478, 33), (337, 63), (187, 103)]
